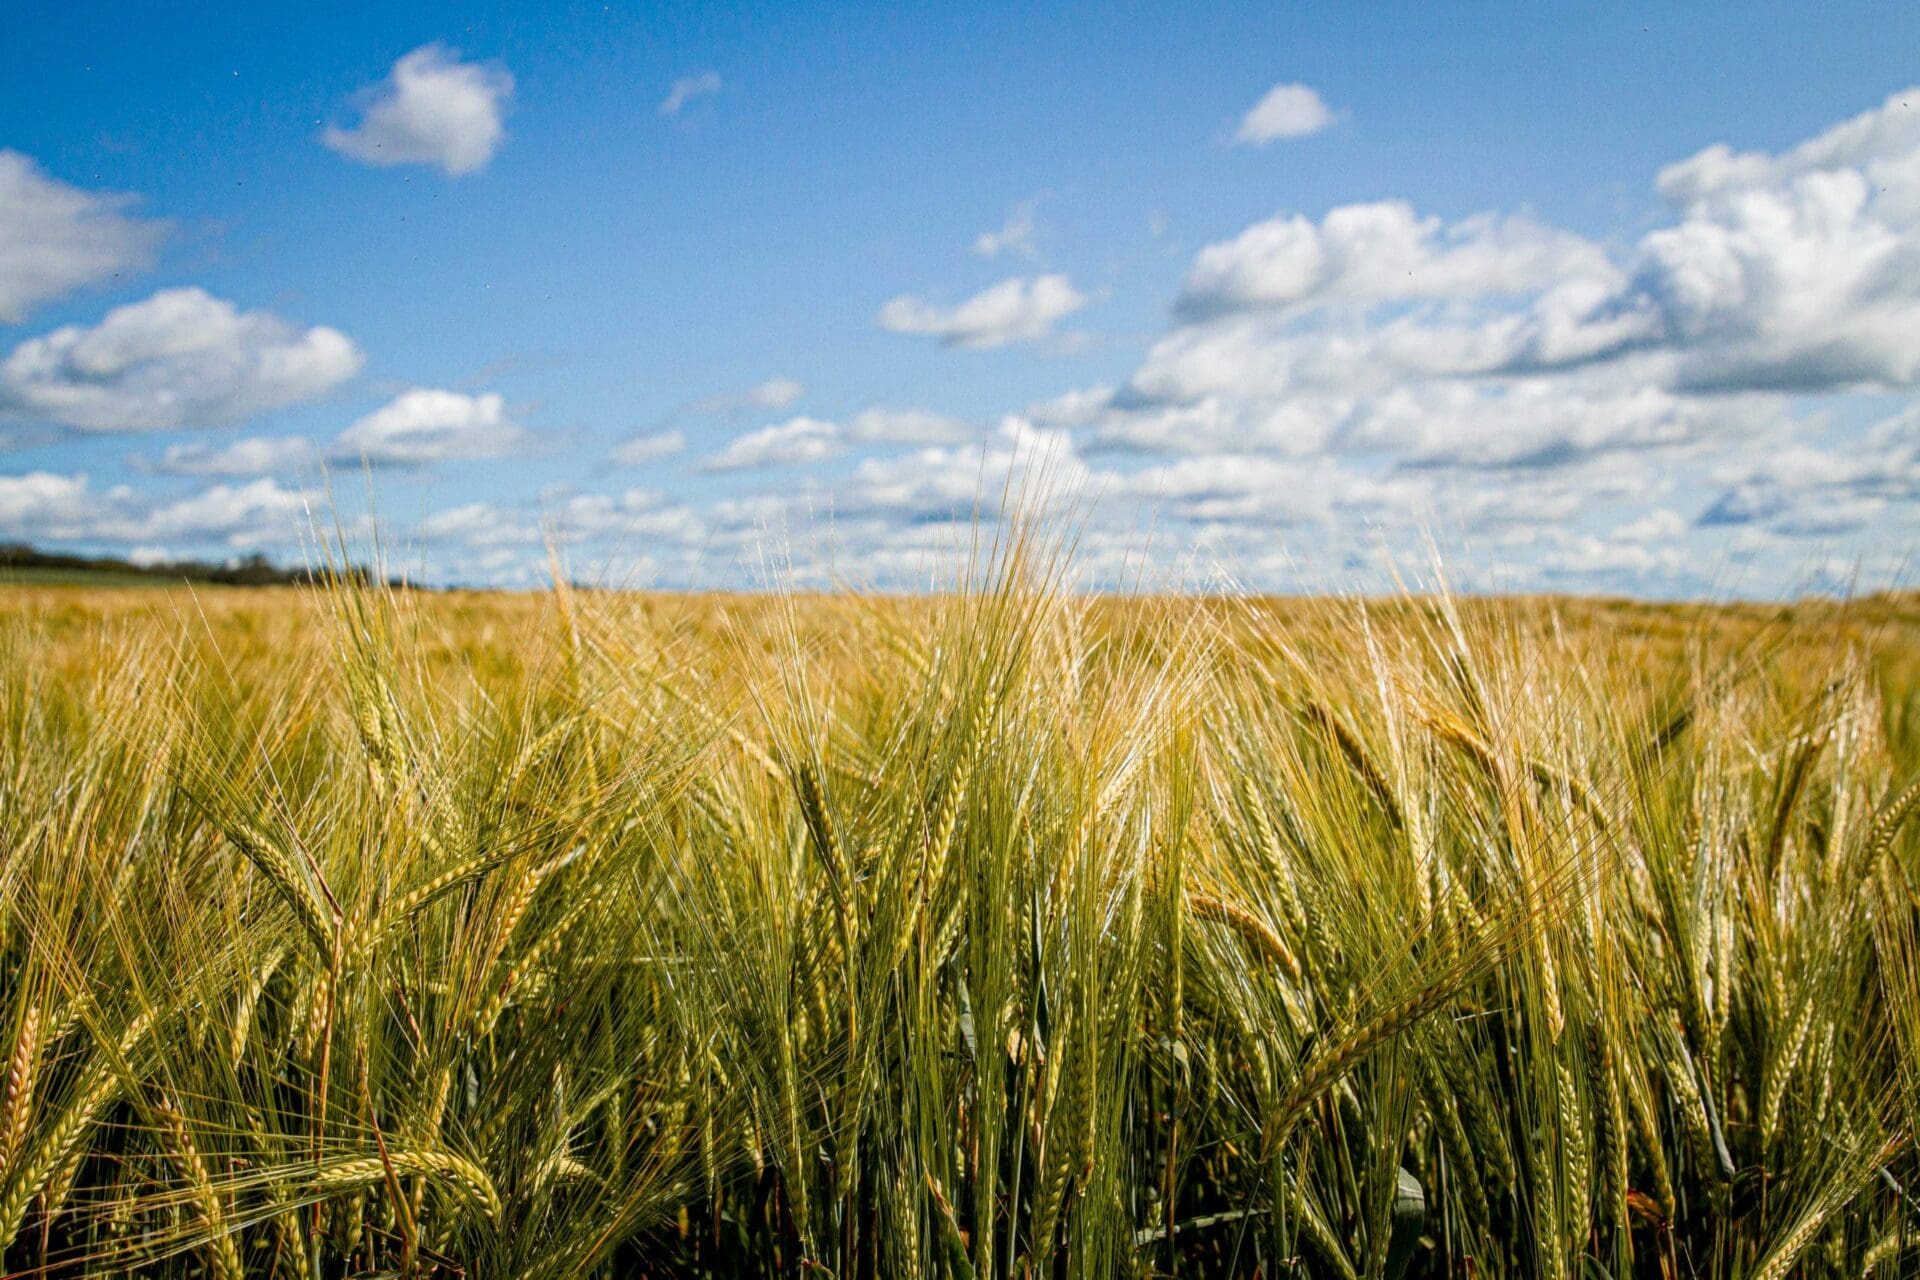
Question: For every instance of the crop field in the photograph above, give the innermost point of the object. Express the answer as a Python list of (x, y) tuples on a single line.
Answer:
[(1010, 933)]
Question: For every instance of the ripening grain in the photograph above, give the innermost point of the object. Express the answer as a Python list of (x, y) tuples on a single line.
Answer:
[(1008, 933)]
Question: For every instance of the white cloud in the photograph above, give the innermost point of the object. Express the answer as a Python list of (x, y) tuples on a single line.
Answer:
[(255, 456), (259, 512), (1242, 489), (1662, 524), (1558, 412), (1213, 423), (775, 393), (43, 506), (643, 449), (181, 358), (787, 444), (588, 523), (1498, 340), (1014, 310), (1796, 272), (432, 109), (1285, 111), (1384, 252), (951, 483), (1587, 559), (424, 426), (56, 238), (1803, 490), (1544, 422), (1014, 236), (1073, 408), (686, 89), (1356, 378), (907, 426), (479, 525), (635, 514), (1266, 356)]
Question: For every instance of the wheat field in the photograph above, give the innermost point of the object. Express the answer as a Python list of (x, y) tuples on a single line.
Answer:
[(1009, 932)]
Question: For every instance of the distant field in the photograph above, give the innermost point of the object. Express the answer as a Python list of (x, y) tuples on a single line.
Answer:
[(23, 565), (1000, 934), (38, 577)]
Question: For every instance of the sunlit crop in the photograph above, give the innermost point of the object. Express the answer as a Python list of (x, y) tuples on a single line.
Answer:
[(1004, 933)]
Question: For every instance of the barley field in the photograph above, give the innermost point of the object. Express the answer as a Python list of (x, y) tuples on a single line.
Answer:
[(1006, 933)]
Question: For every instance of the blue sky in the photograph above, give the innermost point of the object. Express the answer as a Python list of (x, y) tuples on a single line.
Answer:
[(1597, 298)]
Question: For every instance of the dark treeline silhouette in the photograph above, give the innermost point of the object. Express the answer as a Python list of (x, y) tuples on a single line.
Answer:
[(253, 570)]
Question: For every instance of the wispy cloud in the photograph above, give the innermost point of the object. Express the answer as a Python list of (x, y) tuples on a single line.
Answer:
[(56, 238), (775, 393), (688, 88), (1014, 236)]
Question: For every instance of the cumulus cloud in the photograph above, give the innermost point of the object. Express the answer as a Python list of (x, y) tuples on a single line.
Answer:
[(48, 506), (1234, 488), (1808, 490), (432, 109), (255, 456), (1015, 310), (1014, 236), (907, 426), (1499, 345), (259, 512), (1346, 382), (775, 393), (574, 519), (56, 238), (1535, 423), (688, 88), (478, 525), (651, 447), (1662, 524), (1284, 111), (787, 444), (635, 514), (1328, 391), (951, 483), (181, 358), (1212, 423), (1798, 271), (1074, 408), (1267, 356), (1793, 273), (424, 426), (1383, 252), (42, 504)]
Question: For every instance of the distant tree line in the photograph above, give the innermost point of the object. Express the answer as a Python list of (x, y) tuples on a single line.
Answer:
[(253, 570)]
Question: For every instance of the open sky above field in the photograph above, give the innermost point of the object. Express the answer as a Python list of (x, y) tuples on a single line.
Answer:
[(1604, 298)]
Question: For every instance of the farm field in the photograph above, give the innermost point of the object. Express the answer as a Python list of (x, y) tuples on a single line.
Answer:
[(1012, 933)]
